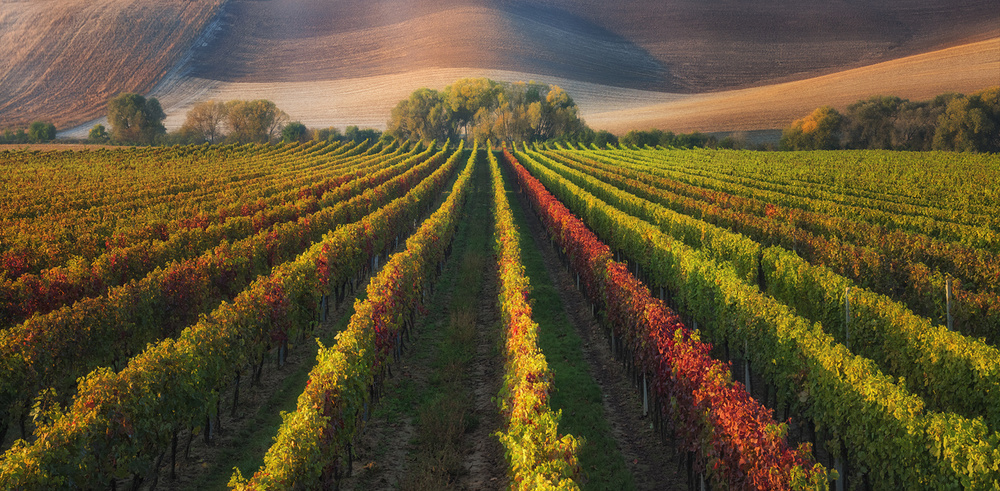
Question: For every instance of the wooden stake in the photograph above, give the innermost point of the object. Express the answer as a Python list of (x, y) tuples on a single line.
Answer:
[(947, 296), (847, 317), (645, 396), (839, 465), (746, 364)]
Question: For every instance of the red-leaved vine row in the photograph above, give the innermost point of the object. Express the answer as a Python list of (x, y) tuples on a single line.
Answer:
[(736, 440), (312, 445), (539, 458)]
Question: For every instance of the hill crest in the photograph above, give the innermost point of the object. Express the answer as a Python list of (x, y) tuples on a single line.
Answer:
[(102, 47)]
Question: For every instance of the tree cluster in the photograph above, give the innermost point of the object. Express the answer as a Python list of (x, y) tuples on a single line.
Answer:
[(135, 119), (38, 132), (667, 139), (240, 121), (351, 133), (483, 109), (947, 122)]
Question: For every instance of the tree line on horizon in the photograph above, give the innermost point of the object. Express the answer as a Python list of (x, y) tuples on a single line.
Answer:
[(37, 132), (952, 122), (489, 111), (137, 120)]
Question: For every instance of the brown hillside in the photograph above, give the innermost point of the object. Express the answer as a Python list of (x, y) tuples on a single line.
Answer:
[(63, 59), (664, 45), (965, 69), (367, 101)]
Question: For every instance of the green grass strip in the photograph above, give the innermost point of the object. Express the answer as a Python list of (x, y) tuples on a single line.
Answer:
[(576, 392)]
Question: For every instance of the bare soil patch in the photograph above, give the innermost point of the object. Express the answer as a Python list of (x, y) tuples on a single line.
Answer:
[(367, 101), (683, 46), (966, 69)]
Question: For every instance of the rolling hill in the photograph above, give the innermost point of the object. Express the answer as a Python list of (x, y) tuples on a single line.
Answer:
[(348, 61)]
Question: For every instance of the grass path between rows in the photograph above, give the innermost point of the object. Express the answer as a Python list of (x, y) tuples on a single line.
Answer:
[(576, 394), (433, 428)]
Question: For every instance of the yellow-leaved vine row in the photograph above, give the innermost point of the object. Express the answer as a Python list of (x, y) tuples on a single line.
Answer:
[(539, 457), (312, 444), (55, 349)]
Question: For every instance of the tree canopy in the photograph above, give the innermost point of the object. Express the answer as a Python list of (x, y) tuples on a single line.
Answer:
[(41, 131), (820, 130), (947, 122), (484, 109), (135, 119), (667, 139), (971, 124), (204, 122), (254, 121)]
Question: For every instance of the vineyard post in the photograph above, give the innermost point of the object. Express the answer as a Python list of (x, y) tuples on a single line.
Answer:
[(173, 456), (847, 317), (645, 395), (236, 394), (613, 352), (947, 299), (838, 464), (746, 363)]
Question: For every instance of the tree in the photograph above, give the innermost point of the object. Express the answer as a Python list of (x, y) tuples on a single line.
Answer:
[(916, 123), (467, 96), (820, 130), (588, 137), (424, 115), (604, 138), (970, 124), (870, 122), (481, 109), (40, 132), (554, 115), (204, 122), (327, 134), (294, 132), (649, 138), (98, 134), (254, 121), (135, 119), (355, 134)]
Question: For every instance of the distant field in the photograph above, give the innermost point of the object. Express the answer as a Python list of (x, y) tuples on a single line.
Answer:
[(964, 69), (349, 64), (366, 101), (62, 60)]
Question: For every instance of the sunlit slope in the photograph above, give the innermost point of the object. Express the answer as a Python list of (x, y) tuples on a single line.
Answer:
[(64, 58), (366, 101), (684, 46), (61, 60), (965, 69)]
